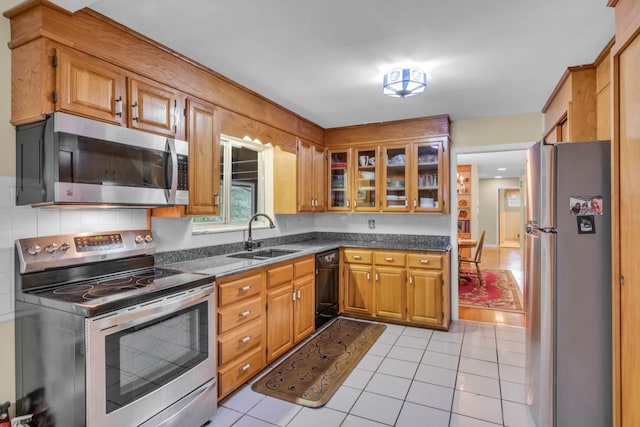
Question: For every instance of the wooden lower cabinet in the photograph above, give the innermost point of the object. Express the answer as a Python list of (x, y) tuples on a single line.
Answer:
[(358, 289), (261, 314), (402, 287), (390, 292), (427, 292), (237, 372), (290, 305), (279, 310), (240, 327), (304, 285), (424, 297)]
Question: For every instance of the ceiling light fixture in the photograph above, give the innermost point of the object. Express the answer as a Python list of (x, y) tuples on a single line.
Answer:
[(502, 169), (404, 82)]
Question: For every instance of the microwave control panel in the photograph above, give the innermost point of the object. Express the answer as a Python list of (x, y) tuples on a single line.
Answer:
[(183, 173)]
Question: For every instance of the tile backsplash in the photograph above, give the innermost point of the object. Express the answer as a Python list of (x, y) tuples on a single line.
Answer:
[(18, 222)]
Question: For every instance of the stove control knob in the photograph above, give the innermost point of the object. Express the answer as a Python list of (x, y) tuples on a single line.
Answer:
[(34, 250), (64, 247), (138, 239), (51, 248), (148, 238)]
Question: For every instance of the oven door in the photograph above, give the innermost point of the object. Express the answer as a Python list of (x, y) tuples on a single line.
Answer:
[(153, 357)]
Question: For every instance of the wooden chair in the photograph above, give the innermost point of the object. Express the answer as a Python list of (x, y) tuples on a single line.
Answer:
[(477, 258)]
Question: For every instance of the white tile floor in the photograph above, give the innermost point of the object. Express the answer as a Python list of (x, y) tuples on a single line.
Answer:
[(471, 376)]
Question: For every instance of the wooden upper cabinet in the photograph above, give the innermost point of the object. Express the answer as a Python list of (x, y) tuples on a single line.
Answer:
[(365, 181), (395, 178), (311, 178), (339, 179), (570, 114), (319, 178), (89, 87), (153, 107), (204, 159), (428, 176)]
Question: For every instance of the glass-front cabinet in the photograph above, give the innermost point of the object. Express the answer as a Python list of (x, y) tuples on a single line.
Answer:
[(427, 164), (401, 177), (365, 191), (396, 178), (339, 180)]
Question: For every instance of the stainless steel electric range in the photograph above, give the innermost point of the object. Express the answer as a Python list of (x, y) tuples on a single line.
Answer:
[(104, 337)]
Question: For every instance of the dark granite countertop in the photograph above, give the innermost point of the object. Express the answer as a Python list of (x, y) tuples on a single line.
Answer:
[(215, 260)]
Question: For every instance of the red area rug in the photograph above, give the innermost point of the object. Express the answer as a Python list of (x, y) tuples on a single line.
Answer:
[(501, 292)]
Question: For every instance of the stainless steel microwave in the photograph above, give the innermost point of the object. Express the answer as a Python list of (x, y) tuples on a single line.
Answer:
[(71, 160)]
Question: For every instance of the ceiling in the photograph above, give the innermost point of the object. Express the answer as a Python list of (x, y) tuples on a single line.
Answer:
[(513, 162), (324, 60)]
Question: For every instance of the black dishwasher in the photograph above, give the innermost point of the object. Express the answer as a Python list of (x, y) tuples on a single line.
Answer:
[(327, 264)]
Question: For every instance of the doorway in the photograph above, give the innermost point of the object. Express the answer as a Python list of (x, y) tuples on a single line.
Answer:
[(509, 217), (502, 220)]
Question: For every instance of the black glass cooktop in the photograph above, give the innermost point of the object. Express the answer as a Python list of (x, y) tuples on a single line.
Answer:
[(106, 293)]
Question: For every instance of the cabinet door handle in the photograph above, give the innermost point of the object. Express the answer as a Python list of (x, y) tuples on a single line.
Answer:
[(244, 340), (424, 261), (245, 368), (388, 258), (216, 200), (368, 276), (357, 257), (355, 203), (293, 296), (245, 313), (411, 280), (119, 106), (347, 203), (298, 293), (244, 288), (135, 111), (377, 277), (415, 204)]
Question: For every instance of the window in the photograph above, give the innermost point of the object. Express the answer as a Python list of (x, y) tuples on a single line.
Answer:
[(242, 184)]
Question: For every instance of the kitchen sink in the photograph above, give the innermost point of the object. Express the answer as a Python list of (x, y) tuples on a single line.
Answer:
[(263, 254)]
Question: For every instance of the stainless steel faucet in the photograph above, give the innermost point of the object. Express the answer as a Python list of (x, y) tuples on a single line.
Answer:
[(251, 244)]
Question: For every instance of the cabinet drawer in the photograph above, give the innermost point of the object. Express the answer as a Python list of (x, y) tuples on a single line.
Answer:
[(236, 290), (304, 267), (239, 341), (279, 275), (230, 377), (239, 314), (354, 256), (425, 261), (389, 258)]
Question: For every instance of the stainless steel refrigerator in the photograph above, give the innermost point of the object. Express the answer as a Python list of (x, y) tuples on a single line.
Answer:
[(567, 274)]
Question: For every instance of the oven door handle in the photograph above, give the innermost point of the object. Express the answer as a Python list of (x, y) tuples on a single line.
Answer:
[(148, 311)]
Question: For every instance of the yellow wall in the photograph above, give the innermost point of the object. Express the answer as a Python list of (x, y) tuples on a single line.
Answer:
[(7, 168), (497, 130), (7, 133)]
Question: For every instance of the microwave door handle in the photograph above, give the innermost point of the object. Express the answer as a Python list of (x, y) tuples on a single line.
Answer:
[(171, 194)]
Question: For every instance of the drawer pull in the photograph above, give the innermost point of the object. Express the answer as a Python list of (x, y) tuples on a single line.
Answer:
[(245, 368), (388, 258), (424, 261), (244, 340), (245, 313), (244, 288), (357, 257)]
